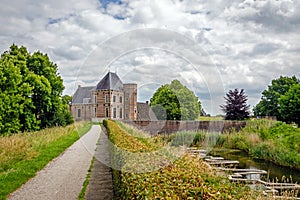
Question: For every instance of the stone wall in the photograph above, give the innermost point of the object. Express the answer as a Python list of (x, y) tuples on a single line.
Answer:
[(161, 127), (81, 111)]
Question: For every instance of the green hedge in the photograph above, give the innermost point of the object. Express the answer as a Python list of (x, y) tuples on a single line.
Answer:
[(185, 178)]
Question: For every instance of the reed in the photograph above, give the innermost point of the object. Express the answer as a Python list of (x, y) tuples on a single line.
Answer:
[(269, 140)]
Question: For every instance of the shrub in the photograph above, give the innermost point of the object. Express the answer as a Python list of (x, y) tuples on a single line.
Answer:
[(185, 178)]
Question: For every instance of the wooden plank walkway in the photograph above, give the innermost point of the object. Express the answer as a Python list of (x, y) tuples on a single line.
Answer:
[(222, 162), (241, 175)]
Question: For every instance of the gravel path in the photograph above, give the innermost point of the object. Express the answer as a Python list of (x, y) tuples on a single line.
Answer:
[(63, 177)]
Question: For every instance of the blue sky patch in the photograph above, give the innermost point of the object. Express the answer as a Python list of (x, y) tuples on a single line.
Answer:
[(104, 3)]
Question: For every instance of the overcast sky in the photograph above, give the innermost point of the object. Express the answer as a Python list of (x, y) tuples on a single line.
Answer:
[(210, 46)]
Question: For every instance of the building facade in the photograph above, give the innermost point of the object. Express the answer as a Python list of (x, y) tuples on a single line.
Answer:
[(110, 98)]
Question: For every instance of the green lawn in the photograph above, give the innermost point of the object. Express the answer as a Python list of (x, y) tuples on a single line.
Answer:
[(24, 154)]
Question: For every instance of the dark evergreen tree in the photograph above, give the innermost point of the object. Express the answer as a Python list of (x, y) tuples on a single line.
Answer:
[(236, 107)]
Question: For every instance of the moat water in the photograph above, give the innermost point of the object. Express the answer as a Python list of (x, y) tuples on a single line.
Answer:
[(275, 173)]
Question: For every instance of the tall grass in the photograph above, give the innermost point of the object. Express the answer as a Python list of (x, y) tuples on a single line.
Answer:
[(23, 154), (269, 140)]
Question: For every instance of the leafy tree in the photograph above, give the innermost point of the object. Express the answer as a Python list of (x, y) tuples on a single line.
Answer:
[(289, 105), (66, 99), (236, 107), (30, 92), (175, 101), (269, 103), (15, 91), (48, 90)]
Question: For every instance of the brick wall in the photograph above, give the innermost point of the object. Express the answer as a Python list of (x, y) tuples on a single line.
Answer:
[(130, 101), (159, 127)]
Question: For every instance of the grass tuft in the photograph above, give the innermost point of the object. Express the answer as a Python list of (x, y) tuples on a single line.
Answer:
[(86, 181)]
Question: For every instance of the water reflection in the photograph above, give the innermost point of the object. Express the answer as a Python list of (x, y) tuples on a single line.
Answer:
[(275, 173)]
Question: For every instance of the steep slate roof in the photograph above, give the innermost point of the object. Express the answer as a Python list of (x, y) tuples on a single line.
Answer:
[(111, 81), (145, 113), (81, 93)]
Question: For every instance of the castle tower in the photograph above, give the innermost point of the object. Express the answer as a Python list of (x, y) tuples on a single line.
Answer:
[(109, 96), (130, 101)]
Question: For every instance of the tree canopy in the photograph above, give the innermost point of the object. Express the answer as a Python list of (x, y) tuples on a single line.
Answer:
[(236, 107), (175, 101), (30, 92), (269, 104), (289, 105)]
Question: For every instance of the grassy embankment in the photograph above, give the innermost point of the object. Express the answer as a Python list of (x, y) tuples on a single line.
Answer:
[(269, 140), (185, 178), (263, 139), (210, 118), (23, 154)]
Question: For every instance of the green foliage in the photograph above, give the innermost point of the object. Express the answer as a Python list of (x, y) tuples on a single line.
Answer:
[(269, 103), (274, 141), (137, 134), (30, 92), (186, 178), (286, 135), (236, 107), (184, 138), (15, 88), (23, 155), (290, 105), (175, 101), (192, 139)]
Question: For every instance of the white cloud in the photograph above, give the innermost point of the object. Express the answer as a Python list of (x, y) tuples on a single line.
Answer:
[(251, 42)]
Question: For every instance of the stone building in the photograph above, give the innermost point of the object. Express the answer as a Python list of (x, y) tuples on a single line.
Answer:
[(110, 98)]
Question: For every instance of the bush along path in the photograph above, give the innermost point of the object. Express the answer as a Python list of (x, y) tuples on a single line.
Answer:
[(63, 177), (188, 177)]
